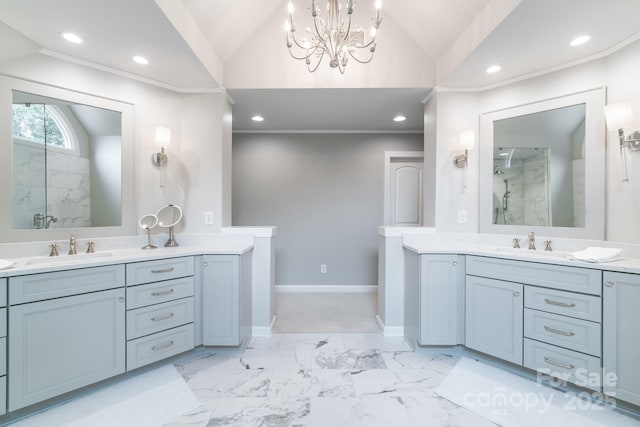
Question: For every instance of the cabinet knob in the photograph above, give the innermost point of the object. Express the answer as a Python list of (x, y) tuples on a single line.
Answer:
[(516, 294), (121, 299), (609, 284), (205, 264), (454, 263)]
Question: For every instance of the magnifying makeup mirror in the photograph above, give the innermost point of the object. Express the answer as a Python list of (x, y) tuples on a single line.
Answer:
[(147, 222), (168, 217)]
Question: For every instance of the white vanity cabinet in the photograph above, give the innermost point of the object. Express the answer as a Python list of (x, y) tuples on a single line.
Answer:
[(160, 309), (494, 317), (66, 331), (545, 317), (621, 320), (226, 299), (434, 299)]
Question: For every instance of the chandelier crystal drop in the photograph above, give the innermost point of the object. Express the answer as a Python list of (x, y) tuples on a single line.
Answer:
[(332, 36)]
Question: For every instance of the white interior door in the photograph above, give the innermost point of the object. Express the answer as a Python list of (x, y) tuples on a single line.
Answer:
[(404, 189)]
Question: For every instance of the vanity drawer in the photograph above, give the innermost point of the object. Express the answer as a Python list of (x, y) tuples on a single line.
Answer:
[(156, 318), (154, 293), (3, 322), (3, 292), (577, 368), (152, 348), (581, 306), (574, 334), (37, 287), (575, 279), (163, 269)]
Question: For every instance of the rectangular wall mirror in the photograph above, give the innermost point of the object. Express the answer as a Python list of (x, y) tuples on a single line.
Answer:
[(542, 168), (68, 165)]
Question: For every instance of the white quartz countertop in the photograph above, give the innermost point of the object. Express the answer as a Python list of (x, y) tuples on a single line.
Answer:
[(42, 264), (627, 265)]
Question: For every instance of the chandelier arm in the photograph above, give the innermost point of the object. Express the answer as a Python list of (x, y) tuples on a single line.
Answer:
[(322, 42), (366, 61), (346, 34), (304, 48), (307, 55), (317, 63)]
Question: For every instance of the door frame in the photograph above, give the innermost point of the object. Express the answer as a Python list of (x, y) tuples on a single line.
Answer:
[(390, 156)]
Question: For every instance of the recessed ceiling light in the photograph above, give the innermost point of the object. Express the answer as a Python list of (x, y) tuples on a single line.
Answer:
[(494, 69), (400, 118), (580, 40), (503, 154), (140, 60), (72, 38), (257, 118)]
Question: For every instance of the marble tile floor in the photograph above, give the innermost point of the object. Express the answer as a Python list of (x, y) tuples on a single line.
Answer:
[(322, 380), (318, 380)]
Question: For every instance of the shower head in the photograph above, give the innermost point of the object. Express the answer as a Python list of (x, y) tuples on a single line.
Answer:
[(497, 170)]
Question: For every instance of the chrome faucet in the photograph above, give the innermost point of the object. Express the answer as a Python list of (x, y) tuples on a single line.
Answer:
[(532, 241), (72, 245)]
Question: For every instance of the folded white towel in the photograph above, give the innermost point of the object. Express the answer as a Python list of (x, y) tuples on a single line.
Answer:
[(4, 263), (597, 254)]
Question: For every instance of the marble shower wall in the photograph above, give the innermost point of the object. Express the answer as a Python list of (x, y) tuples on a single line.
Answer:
[(528, 199), (67, 196)]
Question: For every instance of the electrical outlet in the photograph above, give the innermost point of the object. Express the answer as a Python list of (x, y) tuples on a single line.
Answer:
[(208, 218), (323, 268), (462, 216)]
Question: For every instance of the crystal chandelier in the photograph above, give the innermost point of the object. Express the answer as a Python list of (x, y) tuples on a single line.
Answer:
[(333, 37)]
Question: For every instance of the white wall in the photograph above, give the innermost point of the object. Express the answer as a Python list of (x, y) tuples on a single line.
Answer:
[(456, 111)]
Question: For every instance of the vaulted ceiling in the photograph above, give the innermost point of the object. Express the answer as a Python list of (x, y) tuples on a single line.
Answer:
[(239, 44)]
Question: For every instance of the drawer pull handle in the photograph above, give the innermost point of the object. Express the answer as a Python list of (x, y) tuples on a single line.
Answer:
[(160, 293), (556, 331), (162, 346), (561, 365), (558, 303), (161, 318), (163, 270)]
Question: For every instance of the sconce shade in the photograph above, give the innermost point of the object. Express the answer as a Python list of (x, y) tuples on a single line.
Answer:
[(467, 139), (163, 137), (618, 115)]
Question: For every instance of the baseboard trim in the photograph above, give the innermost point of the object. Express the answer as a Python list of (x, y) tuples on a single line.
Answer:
[(325, 288), (261, 331), (389, 331), (264, 331)]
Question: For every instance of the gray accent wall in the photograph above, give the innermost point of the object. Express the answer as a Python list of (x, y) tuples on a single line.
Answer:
[(324, 192)]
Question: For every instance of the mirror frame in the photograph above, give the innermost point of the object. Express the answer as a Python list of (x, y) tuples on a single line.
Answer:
[(128, 222), (595, 148)]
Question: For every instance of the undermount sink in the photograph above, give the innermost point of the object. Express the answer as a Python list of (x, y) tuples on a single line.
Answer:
[(534, 253), (67, 258)]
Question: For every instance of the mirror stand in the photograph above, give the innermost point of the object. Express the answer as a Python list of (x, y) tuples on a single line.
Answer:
[(149, 245), (168, 217), (147, 222), (172, 241)]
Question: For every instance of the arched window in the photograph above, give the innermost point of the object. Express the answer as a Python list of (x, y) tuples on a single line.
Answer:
[(43, 124)]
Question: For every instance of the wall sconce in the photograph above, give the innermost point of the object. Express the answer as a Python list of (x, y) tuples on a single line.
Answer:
[(620, 116), (163, 140), (467, 140)]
